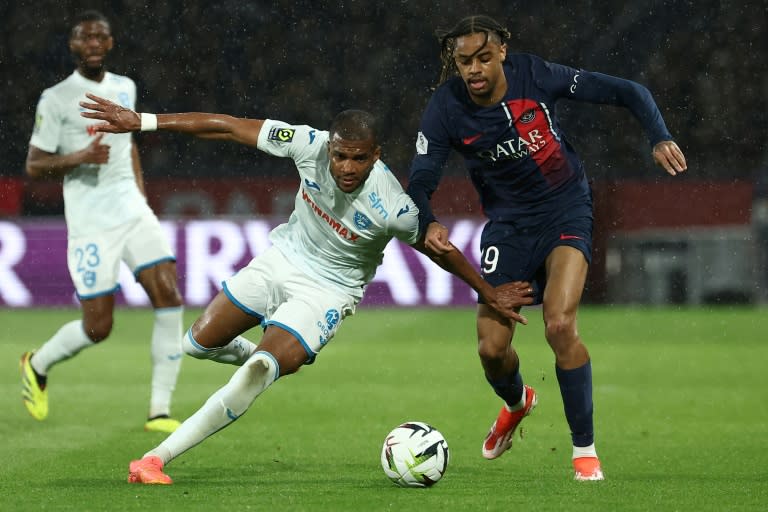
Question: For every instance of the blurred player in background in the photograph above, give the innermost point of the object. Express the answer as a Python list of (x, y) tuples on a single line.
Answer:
[(348, 207), (108, 221), (497, 110)]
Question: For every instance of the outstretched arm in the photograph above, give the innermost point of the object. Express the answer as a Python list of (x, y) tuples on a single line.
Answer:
[(506, 299), (119, 119)]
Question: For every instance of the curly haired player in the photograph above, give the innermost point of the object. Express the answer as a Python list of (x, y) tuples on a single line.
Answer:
[(497, 110)]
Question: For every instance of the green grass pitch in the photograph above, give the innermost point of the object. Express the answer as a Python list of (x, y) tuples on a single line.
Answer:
[(681, 411)]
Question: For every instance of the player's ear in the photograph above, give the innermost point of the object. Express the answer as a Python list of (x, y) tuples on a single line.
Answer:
[(503, 51), (110, 43)]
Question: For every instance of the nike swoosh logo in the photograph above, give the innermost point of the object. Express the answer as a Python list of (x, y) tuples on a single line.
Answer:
[(174, 357), (570, 237), (469, 140), (403, 210), (312, 184)]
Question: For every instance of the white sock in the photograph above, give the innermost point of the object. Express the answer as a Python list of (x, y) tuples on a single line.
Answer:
[(67, 342), (235, 352), (519, 405), (584, 451), (222, 408), (166, 358)]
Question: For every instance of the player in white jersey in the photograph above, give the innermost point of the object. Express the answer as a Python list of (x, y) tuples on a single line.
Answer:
[(108, 221), (348, 207)]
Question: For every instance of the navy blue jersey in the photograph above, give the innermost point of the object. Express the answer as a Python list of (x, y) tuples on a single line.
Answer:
[(519, 160)]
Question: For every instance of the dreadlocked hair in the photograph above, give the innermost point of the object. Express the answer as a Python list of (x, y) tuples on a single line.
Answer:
[(468, 25)]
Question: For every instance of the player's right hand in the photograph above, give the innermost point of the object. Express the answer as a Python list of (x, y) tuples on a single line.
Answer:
[(116, 119), (668, 155), (96, 152), (510, 297)]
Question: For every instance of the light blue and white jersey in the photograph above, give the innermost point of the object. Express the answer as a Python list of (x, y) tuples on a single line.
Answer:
[(96, 197), (337, 237)]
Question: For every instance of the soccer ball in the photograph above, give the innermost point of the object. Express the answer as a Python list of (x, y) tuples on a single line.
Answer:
[(414, 455)]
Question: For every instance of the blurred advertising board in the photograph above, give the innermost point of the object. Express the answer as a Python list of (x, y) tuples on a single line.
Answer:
[(33, 268)]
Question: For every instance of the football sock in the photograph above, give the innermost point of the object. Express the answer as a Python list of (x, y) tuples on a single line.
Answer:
[(223, 407), (166, 358), (510, 389), (66, 343), (576, 390), (235, 352), (584, 451)]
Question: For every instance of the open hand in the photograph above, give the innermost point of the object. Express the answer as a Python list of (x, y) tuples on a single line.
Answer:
[(510, 297), (668, 155), (116, 119)]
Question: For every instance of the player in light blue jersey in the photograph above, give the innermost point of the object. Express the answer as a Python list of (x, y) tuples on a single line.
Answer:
[(108, 221), (348, 207)]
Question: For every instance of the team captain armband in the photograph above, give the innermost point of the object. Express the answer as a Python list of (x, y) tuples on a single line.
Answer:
[(148, 122)]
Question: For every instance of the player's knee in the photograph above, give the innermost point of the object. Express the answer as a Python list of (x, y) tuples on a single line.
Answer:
[(98, 329), (490, 351), (561, 333)]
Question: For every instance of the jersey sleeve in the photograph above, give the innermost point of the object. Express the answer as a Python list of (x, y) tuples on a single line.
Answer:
[(282, 139), (405, 224), (133, 96), (47, 129), (432, 150), (592, 87)]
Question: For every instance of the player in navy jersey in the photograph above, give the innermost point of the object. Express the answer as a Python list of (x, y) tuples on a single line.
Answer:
[(498, 112)]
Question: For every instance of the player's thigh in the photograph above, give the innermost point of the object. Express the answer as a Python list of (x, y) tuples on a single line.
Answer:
[(566, 274), (146, 244), (221, 321), (285, 347), (312, 313), (508, 255), (93, 261)]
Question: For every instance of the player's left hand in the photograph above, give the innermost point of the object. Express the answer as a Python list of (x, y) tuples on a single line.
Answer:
[(509, 297), (116, 119), (668, 155)]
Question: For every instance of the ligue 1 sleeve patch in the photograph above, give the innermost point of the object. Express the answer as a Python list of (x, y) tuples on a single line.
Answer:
[(281, 134), (38, 123)]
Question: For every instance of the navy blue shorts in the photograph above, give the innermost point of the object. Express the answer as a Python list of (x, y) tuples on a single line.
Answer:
[(514, 253)]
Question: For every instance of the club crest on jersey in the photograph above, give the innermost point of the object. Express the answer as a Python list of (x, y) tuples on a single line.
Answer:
[(124, 99), (332, 319), (281, 134), (528, 116), (362, 221)]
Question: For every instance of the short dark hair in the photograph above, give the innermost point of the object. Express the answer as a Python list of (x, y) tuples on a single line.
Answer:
[(89, 15), (469, 25), (354, 125)]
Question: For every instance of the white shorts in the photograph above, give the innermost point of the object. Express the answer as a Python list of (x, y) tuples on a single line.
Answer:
[(94, 260), (271, 288)]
